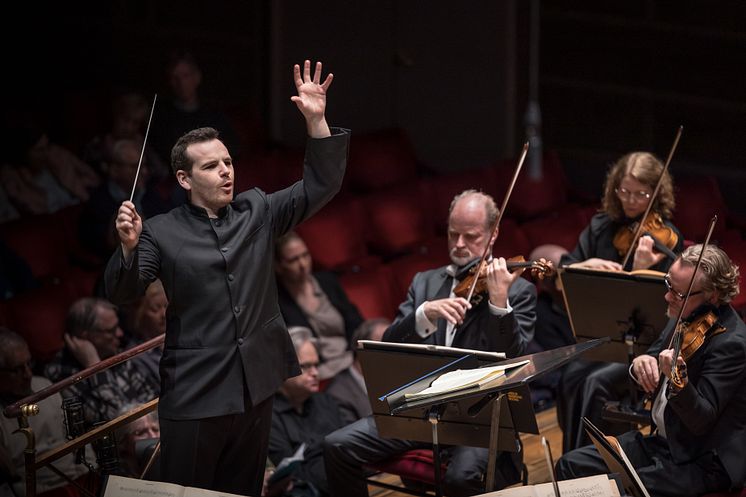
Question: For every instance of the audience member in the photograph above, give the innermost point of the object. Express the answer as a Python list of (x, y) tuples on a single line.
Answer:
[(134, 441), (303, 415), (92, 333), (149, 322), (40, 176), (317, 301), (15, 273), (129, 118), (348, 386), (17, 382), (97, 220), (185, 110), (8, 211)]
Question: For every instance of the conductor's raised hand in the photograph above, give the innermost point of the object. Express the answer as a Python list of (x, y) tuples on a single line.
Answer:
[(311, 98), (452, 310), (129, 226)]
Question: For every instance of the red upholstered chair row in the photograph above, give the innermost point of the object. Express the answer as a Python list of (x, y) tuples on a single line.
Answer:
[(415, 466), (39, 317)]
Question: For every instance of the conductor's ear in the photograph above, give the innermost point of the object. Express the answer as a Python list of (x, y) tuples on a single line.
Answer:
[(184, 179)]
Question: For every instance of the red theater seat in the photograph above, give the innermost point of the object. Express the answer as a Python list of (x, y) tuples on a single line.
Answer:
[(40, 241), (39, 316), (335, 236), (698, 200), (404, 269), (372, 292), (397, 223), (415, 466), (561, 228), (532, 197), (438, 191)]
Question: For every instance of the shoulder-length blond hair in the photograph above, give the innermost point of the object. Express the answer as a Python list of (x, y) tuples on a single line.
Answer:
[(645, 168)]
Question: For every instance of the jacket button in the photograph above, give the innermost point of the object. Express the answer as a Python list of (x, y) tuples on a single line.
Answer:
[(240, 341), (236, 309), (224, 249), (231, 277)]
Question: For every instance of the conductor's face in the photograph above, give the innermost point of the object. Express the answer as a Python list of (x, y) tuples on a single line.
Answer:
[(467, 230), (210, 182)]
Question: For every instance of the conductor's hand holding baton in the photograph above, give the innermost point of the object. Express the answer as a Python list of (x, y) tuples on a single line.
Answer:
[(129, 227)]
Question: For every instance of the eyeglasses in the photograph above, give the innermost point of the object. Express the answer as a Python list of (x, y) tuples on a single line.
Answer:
[(639, 196), (679, 296), (307, 366), (19, 369)]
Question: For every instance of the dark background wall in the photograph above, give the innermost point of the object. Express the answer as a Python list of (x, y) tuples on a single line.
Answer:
[(613, 76)]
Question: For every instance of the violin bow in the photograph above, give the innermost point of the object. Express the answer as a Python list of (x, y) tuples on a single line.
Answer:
[(493, 231), (652, 197), (142, 152), (676, 338)]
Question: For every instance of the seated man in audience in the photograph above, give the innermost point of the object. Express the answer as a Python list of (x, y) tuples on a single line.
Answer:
[(699, 411), (149, 321), (348, 387), (132, 438), (502, 321), (92, 333), (302, 415), (17, 382), (97, 220)]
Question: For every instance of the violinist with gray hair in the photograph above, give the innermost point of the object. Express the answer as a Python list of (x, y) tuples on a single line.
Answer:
[(699, 412)]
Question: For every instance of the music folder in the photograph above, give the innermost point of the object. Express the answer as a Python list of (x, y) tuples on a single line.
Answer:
[(615, 304), (616, 460)]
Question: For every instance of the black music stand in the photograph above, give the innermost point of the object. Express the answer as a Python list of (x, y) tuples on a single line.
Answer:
[(455, 418), (629, 308)]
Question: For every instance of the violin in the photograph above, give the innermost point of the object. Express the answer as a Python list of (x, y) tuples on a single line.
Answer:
[(695, 334), (692, 335), (539, 269), (664, 237)]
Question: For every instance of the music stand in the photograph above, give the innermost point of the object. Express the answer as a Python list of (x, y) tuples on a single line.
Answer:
[(629, 308), (457, 418)]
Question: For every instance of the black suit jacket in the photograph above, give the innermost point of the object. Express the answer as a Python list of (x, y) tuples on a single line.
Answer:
[(709, 414), (481, 330), (224, 331)]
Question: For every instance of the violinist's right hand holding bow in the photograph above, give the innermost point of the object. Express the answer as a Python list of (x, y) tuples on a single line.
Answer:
[(129, 227), (451, 309)]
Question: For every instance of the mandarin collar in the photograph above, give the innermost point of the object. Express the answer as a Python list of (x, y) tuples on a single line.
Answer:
[(202, 212)]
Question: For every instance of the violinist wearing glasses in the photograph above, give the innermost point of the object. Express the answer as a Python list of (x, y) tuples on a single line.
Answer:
[(586, 386), (699, 405), (628, 190), (503, 321)]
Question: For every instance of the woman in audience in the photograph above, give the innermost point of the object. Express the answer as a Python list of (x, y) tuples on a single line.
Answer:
[(317, 301)]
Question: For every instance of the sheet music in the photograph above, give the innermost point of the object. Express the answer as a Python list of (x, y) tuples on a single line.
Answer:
[(590, 486)]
